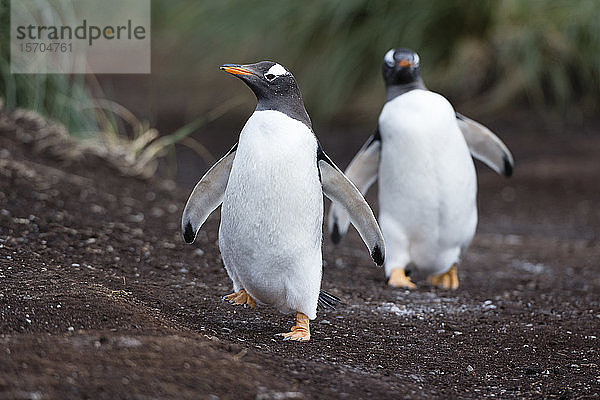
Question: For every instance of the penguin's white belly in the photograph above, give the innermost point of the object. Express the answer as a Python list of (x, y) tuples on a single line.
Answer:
[(427, 185), (271, 220)]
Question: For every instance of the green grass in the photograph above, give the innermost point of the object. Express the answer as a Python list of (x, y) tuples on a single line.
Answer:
[(63, 98), (489, 54), (100, 127)]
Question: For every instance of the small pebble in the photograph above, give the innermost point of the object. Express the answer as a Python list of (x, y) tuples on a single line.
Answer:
[(157, 212), (96, 209)]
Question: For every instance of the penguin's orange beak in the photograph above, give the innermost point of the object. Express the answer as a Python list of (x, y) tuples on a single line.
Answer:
[(235, 69), (405, 63)]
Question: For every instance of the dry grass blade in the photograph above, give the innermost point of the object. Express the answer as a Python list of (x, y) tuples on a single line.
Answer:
[(144, 163), (137, 156)]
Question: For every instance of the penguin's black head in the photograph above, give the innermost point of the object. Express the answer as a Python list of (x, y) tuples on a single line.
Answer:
[(400, 67), (267, 79), (274, 87)]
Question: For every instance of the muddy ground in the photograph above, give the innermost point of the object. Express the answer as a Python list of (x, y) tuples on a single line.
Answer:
[(101, 299)]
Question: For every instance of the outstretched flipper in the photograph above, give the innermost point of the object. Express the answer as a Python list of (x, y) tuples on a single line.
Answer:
[(206, 196), (485, 146), (340, 190), (362, 171)]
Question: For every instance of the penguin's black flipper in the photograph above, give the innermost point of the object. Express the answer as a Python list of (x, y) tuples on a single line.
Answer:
[(339, 189), (206, 196), (485, 146), (362, 171), (327, 301)]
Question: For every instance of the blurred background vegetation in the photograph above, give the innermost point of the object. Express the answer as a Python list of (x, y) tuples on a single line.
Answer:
[(486, 56)]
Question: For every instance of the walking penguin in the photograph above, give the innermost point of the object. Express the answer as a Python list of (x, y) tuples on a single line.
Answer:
[(421, 155), (271, 185)]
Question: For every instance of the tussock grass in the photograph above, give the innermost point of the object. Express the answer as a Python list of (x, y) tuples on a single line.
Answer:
[(69, 122), (137, 156), (489, 54), (61, 97)]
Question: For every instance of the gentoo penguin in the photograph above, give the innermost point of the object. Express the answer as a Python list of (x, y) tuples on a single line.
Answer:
[(427, 182), (271, 185)]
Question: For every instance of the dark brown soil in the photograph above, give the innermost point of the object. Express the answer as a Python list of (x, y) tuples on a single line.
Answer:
[(101, 299)]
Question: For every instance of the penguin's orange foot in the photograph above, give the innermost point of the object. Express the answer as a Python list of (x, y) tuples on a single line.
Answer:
[(301, 331), (447, 280), (398, 279), (240, 298)]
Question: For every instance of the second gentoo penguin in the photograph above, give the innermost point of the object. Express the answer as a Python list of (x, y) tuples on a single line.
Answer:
[(421, 154), (271, 185)]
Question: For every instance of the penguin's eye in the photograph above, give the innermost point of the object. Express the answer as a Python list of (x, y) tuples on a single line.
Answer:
[(270, 77)]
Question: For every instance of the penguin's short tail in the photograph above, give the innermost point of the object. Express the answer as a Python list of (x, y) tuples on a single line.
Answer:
[(327, 301)]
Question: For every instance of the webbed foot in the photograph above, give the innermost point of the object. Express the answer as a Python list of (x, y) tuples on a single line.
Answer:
[(398, 279), (240, 298), (447, 280), (299, 332)]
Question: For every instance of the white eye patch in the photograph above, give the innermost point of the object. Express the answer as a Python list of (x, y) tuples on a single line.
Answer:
[(416, 60), (275, 71), (389, 58)]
